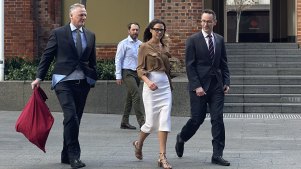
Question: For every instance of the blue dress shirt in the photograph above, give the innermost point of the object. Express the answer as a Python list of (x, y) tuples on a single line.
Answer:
[(126, 56), (77, 73)]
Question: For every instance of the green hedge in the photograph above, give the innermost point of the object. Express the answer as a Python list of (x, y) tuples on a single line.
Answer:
[(19, 69)]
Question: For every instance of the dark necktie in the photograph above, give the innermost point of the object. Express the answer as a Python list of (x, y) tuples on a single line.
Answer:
[(211, 47), (78, 42)]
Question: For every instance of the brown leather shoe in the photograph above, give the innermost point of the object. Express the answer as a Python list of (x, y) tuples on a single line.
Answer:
[(127, 126)]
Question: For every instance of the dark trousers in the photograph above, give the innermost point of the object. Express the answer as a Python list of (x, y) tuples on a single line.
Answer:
[(72, 96), (132, 82), (215, 99)]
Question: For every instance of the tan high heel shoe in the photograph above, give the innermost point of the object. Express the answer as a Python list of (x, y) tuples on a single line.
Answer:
[(138, 150), (162, 161)]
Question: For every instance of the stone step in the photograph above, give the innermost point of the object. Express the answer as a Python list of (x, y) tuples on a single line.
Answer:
[(265, 71), (263, 98), (265, 89), (264, 51), (267, 64), (262, 108), (265, 80), (262, 45), (264, 58)]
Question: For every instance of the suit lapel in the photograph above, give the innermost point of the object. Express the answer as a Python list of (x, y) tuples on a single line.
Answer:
[(70, 38), (202, 45), (88, 39), (217, 45)]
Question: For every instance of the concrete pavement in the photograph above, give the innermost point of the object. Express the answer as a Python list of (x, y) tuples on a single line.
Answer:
[(253, 141)]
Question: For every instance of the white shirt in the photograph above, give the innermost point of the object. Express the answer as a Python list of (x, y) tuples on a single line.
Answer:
[(207, 39), (126, 56)]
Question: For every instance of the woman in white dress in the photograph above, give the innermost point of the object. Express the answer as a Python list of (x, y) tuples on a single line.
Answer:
[(154, 69)]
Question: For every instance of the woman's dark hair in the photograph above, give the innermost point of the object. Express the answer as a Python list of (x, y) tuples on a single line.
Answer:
[(148, 35)]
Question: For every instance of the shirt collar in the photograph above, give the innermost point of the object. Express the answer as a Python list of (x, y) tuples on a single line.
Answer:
[(74, 28), (206, 34), (131, 40)]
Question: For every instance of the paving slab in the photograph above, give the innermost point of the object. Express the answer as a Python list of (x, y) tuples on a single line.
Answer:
[(253, 141)]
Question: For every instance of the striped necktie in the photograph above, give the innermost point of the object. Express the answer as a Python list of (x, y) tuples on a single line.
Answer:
[(211, 47)]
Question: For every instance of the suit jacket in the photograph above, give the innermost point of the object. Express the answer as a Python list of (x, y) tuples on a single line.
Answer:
[(61, 47), (200, 67)]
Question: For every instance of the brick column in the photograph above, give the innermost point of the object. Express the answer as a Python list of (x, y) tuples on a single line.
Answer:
[(48, 15), (182, 18)]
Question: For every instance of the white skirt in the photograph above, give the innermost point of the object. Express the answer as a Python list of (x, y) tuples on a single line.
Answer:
[(157, 104)]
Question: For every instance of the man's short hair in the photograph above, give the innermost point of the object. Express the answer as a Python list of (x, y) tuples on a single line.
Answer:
[(132, 23)]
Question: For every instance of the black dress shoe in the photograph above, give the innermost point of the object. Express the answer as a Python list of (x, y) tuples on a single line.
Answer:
[(219, 160), (75, 164), (179, 146), (127, 126)]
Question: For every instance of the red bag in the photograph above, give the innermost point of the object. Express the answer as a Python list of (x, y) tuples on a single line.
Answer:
[(35, 121)]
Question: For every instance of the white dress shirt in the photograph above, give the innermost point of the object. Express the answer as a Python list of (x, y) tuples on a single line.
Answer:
[(207, 39), (126, 56)]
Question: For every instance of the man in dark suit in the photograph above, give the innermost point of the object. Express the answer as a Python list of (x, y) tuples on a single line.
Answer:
[(209, 80), (73, 48)]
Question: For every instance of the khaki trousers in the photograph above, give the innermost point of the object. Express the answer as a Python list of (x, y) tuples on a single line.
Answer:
[(132, 82)]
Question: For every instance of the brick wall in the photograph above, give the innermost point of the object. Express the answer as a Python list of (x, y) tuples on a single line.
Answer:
[(29, 22), (18, 28), (106, 51), (182, 18), (26, 29)]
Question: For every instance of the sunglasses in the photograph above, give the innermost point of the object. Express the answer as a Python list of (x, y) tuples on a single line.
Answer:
[(158, 30)]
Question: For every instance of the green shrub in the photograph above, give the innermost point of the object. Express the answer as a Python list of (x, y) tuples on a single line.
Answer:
[(19, 69), (106, 69)]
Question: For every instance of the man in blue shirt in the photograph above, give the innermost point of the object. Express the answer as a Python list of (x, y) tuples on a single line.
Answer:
[(126, 61)]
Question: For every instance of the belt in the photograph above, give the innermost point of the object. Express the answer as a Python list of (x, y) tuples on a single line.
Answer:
[(77, 82), (129, 70)]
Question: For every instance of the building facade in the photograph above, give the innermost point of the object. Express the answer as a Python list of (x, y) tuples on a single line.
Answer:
[(29, 22)]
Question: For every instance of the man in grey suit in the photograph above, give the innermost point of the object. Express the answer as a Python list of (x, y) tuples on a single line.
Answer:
[(209, 80), (73, 48)]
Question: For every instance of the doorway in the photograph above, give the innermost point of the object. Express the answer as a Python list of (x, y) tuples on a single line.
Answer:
[(264, 21)]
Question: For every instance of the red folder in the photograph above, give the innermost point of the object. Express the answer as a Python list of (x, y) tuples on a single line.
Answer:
[(35, 121)]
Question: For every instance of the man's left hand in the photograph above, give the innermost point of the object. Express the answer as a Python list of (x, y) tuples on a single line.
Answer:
[(226, 89)]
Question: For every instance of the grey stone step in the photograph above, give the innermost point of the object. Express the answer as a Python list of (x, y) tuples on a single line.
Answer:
[(267, 64), (262, 108), (264, 51), (264, 58), (262, 45), (265, 71), (263, 98), (265, 80), (265, 89)]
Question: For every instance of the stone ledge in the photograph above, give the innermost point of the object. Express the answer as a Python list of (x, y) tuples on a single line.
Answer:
[(105, 98)]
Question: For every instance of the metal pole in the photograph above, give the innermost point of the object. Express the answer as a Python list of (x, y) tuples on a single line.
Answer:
[(1, 40), (151, 10)]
